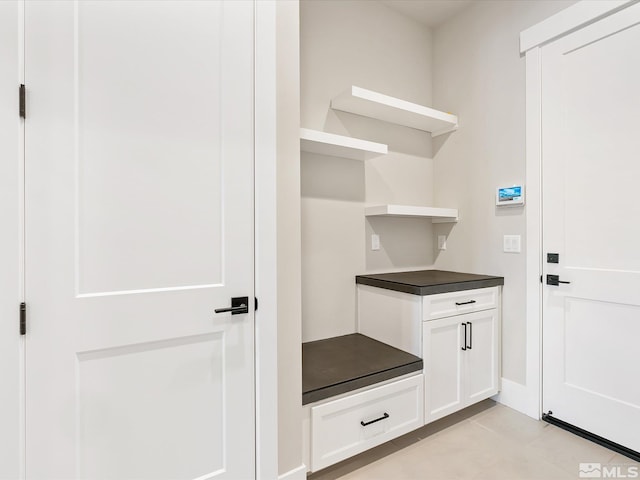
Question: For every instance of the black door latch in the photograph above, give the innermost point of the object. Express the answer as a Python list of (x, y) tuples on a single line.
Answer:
[(554, 280)]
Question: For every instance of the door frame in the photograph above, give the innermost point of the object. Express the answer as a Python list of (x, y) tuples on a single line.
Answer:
[(266, 251), (529, 399), (12, 440)]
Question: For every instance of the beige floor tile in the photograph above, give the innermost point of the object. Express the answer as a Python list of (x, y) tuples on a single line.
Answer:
[(454, 453), (382, 471), (622, 460), (523, 467), (511, 424), (402, 467), (567, 451), (339, 470), (464, 440)]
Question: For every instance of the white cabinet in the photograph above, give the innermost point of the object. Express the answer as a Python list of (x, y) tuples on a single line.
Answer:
[(457, 334), (461, 358), (353, 423)]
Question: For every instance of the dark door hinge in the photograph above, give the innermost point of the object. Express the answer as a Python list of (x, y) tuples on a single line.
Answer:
[(23, 318), (23, 102)]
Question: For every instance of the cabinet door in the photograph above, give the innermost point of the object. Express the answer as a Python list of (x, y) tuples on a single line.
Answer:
[(443, 341), (481, 359)]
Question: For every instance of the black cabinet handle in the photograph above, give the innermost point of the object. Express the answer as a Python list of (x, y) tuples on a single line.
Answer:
[(470, 346), (364, 424), (466, 303), (464, 324)]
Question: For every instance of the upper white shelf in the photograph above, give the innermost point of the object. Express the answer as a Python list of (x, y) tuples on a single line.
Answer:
[(437, 215), (389, 109), (339, 146)]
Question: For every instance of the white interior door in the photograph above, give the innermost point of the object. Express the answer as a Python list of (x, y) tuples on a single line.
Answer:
[(10, 240), (591, 212), (139, 222)]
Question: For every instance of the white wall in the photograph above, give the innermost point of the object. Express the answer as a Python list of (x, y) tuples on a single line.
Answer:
[(9, 244), (480, 75), (288, 238), (361, 43)]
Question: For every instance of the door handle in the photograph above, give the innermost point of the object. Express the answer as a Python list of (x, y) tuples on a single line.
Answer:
[(238, 305), (464, 347), (470, 346), (554, 280)]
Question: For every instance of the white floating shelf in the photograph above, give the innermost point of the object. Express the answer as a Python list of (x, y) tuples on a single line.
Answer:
[(437, 215), (389, 109), (323, 143)]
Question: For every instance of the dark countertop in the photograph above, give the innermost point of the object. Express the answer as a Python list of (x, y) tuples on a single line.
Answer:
[(343, 364), (429, 282)]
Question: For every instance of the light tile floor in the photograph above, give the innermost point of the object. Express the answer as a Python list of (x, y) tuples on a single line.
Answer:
[(487, 441)]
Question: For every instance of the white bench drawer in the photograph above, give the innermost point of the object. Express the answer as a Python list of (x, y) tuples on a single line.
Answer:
[(388, 411), (455, 303)]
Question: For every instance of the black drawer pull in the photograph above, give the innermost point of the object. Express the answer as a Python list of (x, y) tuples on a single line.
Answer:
[(466, 303), (364, 424)]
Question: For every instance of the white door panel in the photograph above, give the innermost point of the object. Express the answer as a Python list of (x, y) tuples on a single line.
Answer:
[(590, 146), (139, 215), (146, 133)]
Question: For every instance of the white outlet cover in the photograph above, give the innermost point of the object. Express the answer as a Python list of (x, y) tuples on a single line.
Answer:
[(375, 242), (442, 242)]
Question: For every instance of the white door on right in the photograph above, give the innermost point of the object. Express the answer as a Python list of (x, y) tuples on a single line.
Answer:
[(591, 219)]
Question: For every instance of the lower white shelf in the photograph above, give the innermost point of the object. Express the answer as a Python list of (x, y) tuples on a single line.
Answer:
[(324, 143), (437, 215)]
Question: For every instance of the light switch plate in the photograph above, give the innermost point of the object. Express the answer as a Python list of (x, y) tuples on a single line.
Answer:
[(442, 242), (511, 244)]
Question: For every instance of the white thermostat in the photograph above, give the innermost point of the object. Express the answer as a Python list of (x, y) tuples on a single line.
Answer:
[(510, 196)]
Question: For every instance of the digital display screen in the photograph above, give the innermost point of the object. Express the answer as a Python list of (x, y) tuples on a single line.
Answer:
[(510, 196), (509, 193)]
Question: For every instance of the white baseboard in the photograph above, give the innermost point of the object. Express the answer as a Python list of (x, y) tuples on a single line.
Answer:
[(299, 473), (519, 397)]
